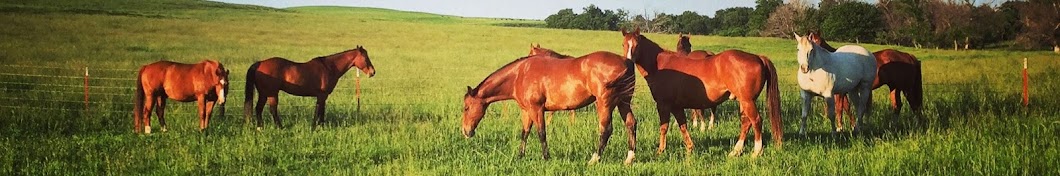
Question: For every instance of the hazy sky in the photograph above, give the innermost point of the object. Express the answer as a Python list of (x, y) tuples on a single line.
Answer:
[(523, 9)]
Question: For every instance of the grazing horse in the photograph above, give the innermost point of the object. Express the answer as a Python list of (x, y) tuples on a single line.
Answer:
[(898, 70), (684, 47), (678, 82), (541, 83), (850, 70), (537, 49), (315, 78), (205, 82)]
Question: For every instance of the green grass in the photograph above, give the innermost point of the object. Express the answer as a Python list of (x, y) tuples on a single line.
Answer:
[(408, 123)]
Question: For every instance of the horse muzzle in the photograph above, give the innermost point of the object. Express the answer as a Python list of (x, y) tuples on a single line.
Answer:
[(467, 132), (803, 69)]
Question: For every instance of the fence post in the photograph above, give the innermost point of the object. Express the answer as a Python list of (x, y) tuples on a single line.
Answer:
[(358, 92), (1026, 94), (86, 88)]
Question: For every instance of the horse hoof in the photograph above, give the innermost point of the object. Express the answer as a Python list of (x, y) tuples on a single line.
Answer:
[(147, 130), (164, 130), (259, 129), (594, 159), (734, 153), (629, 158)]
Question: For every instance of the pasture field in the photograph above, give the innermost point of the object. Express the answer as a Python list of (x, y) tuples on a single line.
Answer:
[(408, 122)]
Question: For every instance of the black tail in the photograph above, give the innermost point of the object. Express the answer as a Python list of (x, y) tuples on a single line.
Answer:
[(248, 96), (624, 84), (138, 102)]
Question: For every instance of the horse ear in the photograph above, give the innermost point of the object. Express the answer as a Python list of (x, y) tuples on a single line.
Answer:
[(470, 91), (537, 45), (636, 30), (796, 35)]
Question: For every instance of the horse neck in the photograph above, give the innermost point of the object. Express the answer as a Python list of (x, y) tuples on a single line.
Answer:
[(821, 55), (339, 63), (826, 46), (500, 85), (648, 56)]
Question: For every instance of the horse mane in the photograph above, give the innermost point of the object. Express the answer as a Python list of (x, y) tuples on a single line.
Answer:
[(824, 44), (495, 72)]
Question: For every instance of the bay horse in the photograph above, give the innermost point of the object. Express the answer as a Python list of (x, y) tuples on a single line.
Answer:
[(537, 49), (205, 83), (850, 70), (898, 70), (684, 47), (314, 78), (541, 83), (678, 82)]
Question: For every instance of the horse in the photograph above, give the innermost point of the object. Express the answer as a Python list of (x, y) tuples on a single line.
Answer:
[(684, 47), (537, 49), (850, 70), (314, 78), (205, 82), (678, 82), (898, 70), (541, 83)]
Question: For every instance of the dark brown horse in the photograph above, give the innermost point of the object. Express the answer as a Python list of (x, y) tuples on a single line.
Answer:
[(537, 49), (205, 83), (898, 70), (315, 78), (678, 82), (541, 83), (684, 47)]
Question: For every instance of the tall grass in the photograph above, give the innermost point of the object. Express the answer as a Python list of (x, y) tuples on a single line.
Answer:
[(409, 117)]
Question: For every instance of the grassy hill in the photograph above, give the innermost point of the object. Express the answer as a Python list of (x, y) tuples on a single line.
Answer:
[(410, 112)]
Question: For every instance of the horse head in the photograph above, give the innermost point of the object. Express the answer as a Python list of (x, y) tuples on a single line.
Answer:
[(474, 109), (683, 45), (629, 42), (538, 50), (807, 53), (363, 62), (217, 73)]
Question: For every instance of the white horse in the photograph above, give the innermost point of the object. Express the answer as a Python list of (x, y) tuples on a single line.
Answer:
[(849, 70)]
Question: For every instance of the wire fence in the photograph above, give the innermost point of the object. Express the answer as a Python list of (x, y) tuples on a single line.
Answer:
[(103, 87)]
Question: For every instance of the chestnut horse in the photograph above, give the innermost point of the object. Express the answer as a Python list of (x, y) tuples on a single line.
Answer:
[(205, 82), (541, 83), (537, 49), (898, 70), (315, 78), (684, 47), (678, 82)]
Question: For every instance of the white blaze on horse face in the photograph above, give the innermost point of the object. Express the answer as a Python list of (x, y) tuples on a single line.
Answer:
[(803, 54), (629, 49), (221, 92)]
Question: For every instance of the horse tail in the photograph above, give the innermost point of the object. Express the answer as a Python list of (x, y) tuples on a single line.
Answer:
[(773, 100), (248, 96), (625, 83), (138, 100)]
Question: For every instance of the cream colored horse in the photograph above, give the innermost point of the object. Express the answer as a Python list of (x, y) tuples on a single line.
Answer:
[(849, 70)]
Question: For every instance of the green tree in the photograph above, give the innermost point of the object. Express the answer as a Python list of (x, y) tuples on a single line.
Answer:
[(758, 18), (561, 19), (851, 21), (732, 21), (692, 23)]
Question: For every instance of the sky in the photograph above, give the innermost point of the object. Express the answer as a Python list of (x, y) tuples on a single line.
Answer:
[(519, 9)]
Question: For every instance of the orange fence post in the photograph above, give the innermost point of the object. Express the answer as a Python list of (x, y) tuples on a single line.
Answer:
[(1026, 94), (86, 88)]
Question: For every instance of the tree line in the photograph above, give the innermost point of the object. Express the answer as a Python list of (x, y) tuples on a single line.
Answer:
[(1031, 24)]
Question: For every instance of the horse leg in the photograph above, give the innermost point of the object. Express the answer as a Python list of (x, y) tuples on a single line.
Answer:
[(273, 101), (664, 124), (258, 109), (149, 103), (603, 112), (896, 105), (571, 117), (750, 111), (526, 132), (710, 125), (161, 112), (682, 124), (865, 90), (548, 119), (841, 104), (202, 113), (745, 125), (538, 116), (695, 118), (631, 125), (319, 114), (807, 100), (830, 104), (206, 116)]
